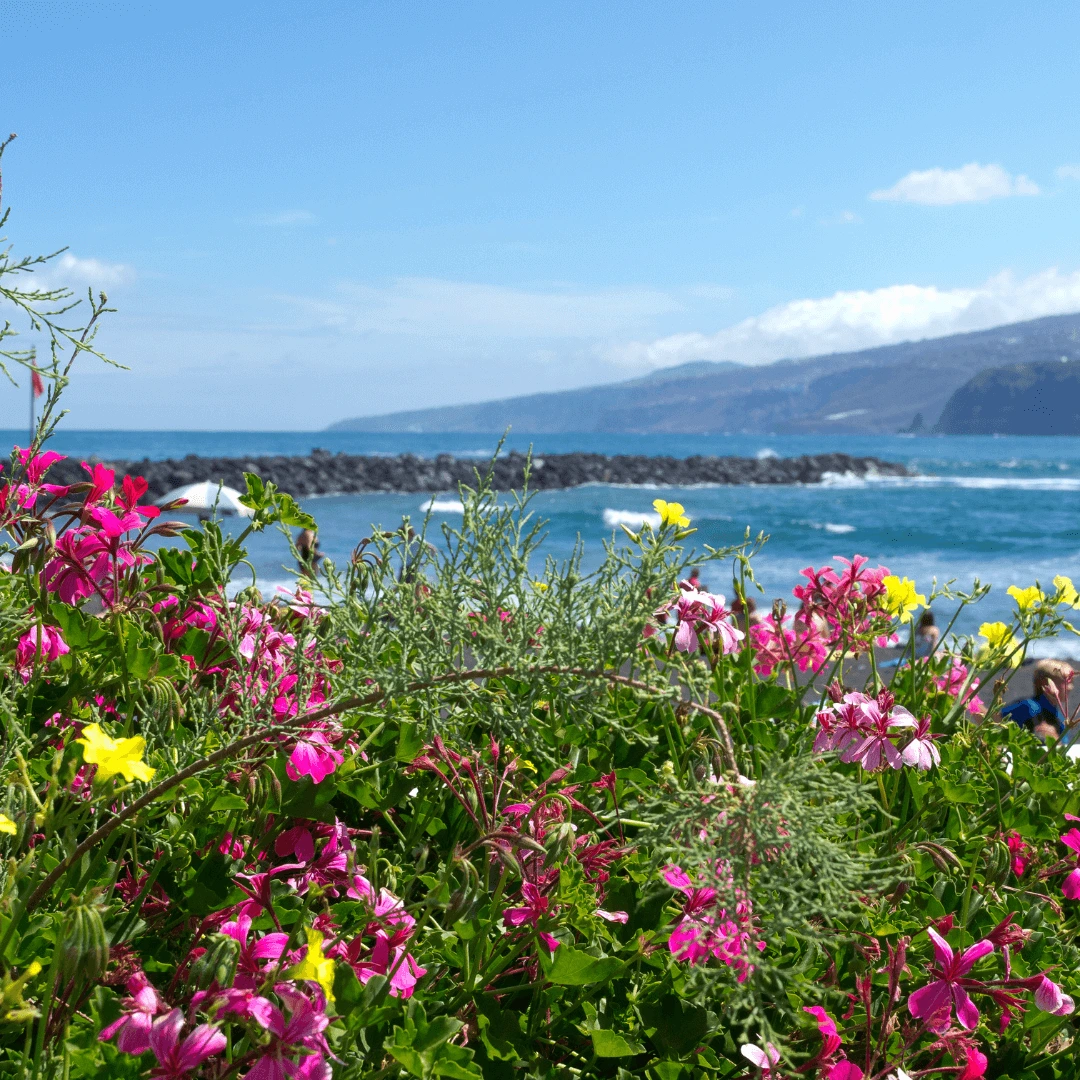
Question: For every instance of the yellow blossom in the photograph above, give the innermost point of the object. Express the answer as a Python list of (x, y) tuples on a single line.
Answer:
[(315, 966), (1026, 598), (113, 756), (1067, 593), (998, 637), (671, 513), (7, 825), (901, 598)]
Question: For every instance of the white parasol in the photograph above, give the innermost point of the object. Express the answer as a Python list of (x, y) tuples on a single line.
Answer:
[(206, 497)]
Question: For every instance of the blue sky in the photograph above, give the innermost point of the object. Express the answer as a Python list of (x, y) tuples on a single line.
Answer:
[(312, 211)]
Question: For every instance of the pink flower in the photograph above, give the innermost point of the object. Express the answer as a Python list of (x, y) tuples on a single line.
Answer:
[(613, 916), (1018, 850), (28, 650), (921, 751), (1071, 885), (952, 682), (974, 1066), (775, 645), (300, 1038), (876, 749), (134, 488), (534, 909), (763, 1059), (705, 614), (101, 482), (177, 1059), (313, 756), (1050, 999), (135, 1024), (934, 1003), (251, 961), (830, 1037), (844, 1070)]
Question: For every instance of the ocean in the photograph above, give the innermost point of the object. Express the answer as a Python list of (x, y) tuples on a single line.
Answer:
[(1004, 510)]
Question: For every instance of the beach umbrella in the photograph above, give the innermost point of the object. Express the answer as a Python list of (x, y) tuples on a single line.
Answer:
[(203, 497)]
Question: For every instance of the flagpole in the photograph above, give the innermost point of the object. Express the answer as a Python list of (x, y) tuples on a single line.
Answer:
[(31, 442)]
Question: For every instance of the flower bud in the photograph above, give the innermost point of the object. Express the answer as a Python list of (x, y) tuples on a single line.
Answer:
[(218, 963), (84, 948)]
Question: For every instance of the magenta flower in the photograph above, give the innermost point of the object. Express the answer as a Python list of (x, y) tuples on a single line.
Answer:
[(534, 909), (702, 613), (934, 1002), (1071, 885), (298, 1046), (1050, 998), (921, 751), (844, 1070), (134, 1026), (134, 488), (826, 1025), (1018, 849), (176, 1059), (314, 756), (876, 749), (251, 961), (101, 482), (39, 643)]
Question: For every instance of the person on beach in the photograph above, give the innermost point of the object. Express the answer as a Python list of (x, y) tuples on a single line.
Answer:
[(1046, 714), (307, 547), (927, 636)]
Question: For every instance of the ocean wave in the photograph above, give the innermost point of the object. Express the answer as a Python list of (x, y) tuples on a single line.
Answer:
[(633, 519), (973, 483), (766, 454), (443, 506), (830, 527)]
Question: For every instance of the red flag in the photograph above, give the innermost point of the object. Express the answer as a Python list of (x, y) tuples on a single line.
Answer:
[(39, 386)]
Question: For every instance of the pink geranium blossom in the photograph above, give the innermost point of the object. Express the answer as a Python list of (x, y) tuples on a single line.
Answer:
[(921, 751), (535, 908), (1070, 887), (1051, 999), (42, 644), (133, 1027), (313, 756), (177, 1059), (703, 614), (934, 1002), (253, 956), (1018, 851), (763, 1059)]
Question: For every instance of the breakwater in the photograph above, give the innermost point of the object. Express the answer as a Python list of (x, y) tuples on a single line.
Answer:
[(324, 473)]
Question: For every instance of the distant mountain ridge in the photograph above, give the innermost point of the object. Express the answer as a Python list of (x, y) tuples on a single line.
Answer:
[(872, 391), (1018, 399)]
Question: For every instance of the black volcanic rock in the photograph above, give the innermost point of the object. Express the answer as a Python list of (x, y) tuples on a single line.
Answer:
[(1018, 399), (323, 473)]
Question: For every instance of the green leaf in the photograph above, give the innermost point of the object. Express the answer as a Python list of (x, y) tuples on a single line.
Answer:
[(348, 992), (211, 885), (229, 802), (610, 1044), (499, 1028), (571, 967), (410, 742), (675, 1025), (960, 793)]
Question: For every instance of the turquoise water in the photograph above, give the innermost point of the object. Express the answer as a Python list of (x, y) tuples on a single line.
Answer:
[(1005, 510)]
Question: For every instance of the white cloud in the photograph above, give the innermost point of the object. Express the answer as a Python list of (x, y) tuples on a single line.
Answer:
[(946, 187), (845, 217), (438, 308), (1067, 172), (71, 272), (286, 217), (864, 318)]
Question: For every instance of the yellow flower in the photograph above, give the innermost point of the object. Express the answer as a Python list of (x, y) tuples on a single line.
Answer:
[(671, 513), (901, 598), (1067, 593), (7, 825), (113, 756), (540, 586), (315, 966), (1026, 598), (998, 637)]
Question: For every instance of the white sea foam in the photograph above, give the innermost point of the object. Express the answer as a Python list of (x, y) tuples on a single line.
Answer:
[(633, 519), (973, 483), (443, 506), (834, 528), (766, 453)]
